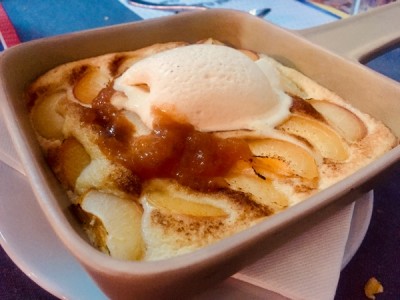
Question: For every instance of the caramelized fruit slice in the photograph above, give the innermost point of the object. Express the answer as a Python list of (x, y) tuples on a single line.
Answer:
[(347, 124), (164, 199), (90, 84), (93, 227), (45, 118), (265, 166), (283, 158), (72, 159), (303, 108), (318, 134), (281, 173), (121, 219), (262, 190)]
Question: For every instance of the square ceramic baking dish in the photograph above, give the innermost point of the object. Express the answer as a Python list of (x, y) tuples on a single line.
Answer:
[(190, 273)]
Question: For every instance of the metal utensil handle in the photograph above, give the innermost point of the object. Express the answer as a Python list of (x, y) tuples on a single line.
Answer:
[(166, 7), (361, 35)]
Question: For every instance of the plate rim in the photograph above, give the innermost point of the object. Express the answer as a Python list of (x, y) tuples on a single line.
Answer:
[(361, 219)]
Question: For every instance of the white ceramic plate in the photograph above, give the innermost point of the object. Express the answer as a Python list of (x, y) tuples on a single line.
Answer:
[(25, 233)]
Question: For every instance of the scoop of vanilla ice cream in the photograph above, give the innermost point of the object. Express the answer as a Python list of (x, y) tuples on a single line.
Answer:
[(212, 87)]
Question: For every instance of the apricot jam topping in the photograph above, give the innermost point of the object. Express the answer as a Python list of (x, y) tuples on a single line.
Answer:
[(172, 150)]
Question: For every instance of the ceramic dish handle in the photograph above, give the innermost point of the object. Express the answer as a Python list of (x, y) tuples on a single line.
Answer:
[(361, 36)]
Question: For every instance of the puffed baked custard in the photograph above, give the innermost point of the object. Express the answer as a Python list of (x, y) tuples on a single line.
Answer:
[(152, 174)]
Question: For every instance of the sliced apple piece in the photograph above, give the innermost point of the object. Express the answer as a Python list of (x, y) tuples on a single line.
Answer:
[(164, 199), (261, 190), (283, 158), (45, 119), (72, 158), (347, 124), (322, 137), (121, 219), (302, 107), (280, 172), (265, 166), (90, 84), (93, 227)]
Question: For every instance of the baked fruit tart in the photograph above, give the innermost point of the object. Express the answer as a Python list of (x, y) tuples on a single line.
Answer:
[(172, 147)]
